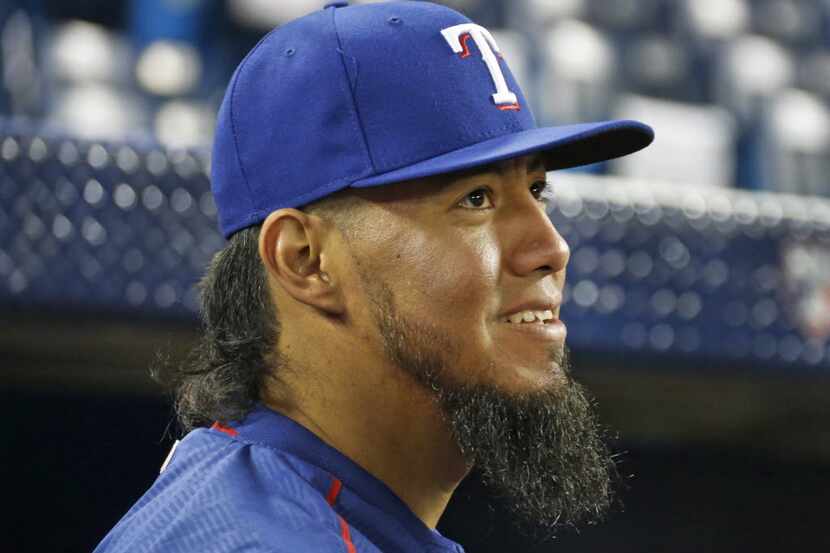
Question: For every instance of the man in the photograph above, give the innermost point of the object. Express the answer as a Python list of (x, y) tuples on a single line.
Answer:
[(385, 315)]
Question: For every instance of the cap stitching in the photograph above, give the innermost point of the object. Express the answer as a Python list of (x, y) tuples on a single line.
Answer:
[(351, 88), (236, 140), (233, 120)]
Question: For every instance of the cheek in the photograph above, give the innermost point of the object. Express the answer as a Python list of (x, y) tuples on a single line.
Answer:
[(453, 276)]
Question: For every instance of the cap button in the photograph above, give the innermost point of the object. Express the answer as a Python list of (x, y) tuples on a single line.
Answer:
[(336, 5)]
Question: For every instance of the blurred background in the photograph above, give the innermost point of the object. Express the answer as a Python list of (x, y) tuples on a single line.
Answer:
[(698, 302)]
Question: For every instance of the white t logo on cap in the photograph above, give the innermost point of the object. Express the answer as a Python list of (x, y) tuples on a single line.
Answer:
[(457, 37)]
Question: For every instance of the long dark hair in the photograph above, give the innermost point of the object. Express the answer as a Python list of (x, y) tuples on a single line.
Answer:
[(222, 377), (225, 373)]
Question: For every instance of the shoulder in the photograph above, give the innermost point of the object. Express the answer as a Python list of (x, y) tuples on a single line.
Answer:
[(239, 537), (220, 494)]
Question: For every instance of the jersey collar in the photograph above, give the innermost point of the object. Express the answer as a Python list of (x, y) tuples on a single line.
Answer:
[(268, 427)]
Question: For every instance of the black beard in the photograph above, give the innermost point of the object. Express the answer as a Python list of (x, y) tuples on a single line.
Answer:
[(541, 452)]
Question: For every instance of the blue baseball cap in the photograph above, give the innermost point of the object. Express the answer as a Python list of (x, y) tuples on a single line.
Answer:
[(367, 95)]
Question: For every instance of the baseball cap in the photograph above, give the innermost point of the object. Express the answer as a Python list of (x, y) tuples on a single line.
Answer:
[(373, 94)]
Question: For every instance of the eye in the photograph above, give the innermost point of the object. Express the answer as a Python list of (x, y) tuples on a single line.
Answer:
[(477, 199), (541, 191)]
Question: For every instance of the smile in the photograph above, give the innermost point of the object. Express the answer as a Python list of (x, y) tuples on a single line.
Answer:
[(529, 316), (552, 330)]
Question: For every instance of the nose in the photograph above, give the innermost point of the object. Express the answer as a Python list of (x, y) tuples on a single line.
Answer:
[(538, 246)]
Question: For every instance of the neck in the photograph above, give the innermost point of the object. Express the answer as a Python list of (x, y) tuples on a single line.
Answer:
[(382, 420)]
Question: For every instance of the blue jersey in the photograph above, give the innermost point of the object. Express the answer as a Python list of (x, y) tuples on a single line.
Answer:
[(268, 485)]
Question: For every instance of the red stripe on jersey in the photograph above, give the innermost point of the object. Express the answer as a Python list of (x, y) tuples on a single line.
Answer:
[(347, 538), (334, 491), (331, 498), (226, 429)]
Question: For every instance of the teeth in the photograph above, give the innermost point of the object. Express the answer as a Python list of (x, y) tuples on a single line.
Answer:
[(516, 317), (529, 316)]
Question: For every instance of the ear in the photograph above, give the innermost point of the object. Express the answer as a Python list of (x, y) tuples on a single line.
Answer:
[(291, 248)]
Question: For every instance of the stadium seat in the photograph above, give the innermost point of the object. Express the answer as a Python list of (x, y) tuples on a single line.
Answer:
[(657, 65), (707, 20), (22, 88), (540, 14), (579, 73), (797, 143), (625, 15), (789, 21), (91, 82), (814, 72), (743, 84), (695, 146)]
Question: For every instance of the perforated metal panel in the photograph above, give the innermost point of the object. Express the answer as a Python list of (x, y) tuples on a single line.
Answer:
[(730, 275), (719, 273), (96, 226)]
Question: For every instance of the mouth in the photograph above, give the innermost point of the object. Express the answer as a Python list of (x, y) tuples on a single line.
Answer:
[(530, 316), (547, 328)]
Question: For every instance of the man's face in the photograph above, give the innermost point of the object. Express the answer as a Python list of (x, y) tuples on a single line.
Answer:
[(465, 253), (446, 265)]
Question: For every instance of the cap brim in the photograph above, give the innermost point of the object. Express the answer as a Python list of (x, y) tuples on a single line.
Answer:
[(563, 147)]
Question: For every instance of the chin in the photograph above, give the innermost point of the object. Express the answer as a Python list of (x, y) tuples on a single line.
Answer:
[(529, 379)]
